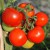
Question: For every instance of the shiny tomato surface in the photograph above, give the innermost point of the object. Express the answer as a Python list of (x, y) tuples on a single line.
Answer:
[(11, 17), (17, 37), (42, 19), (36, 35)]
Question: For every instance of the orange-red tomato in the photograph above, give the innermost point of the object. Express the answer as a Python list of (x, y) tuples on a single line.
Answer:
[(42, 19), (36, 35), (22, 5), (17, 37), (31, 13), (11, 17)]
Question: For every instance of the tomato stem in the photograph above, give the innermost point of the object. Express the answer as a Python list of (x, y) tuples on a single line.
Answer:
[(32, 25), (24, 27), (27, 19), (45, 29), (33, 22), (22, 10), (28, 7), (34, 18)]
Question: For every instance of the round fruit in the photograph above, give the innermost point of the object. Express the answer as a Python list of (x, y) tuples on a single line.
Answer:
[(36, 35), (42, 19), (31, 13), (11, 17), (17, 37), (7, 28), (28, 44), (22, 5)]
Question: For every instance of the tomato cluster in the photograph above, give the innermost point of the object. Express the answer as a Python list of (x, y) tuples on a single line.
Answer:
[(23, 25)]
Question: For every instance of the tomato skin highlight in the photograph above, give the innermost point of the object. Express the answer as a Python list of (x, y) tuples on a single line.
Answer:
[(17, 37), (11, 17), (36, 35), (42, 19)]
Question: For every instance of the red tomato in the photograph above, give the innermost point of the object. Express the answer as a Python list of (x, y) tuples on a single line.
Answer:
[(11, 17), (36, 35), (31, 13), (42, 19), (23, 15), (17, 37), (22, 5)]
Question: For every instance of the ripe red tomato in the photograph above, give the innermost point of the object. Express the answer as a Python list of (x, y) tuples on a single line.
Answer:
[(42, 19), (17, 37), (11, 17), (22, 5), (36, 35), (23, 16)]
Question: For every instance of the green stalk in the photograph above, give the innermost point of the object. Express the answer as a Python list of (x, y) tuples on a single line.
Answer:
[(28, 7), (10, 3), (45, 45), (1, 5), (27, 19), (22, 10), (46, 31), (32, 25), (7, 46)]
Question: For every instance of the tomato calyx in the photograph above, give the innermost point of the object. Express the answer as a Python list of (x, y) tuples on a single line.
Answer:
[(28, 7)]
